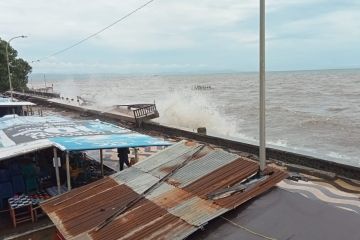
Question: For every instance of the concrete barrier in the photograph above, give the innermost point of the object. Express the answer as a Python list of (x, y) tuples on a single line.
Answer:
[(272, 153)]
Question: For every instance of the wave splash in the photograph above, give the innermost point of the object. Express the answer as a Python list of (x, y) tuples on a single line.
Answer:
[(192, 110)]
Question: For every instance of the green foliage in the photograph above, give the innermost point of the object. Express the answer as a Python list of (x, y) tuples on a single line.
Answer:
[(19, 69)]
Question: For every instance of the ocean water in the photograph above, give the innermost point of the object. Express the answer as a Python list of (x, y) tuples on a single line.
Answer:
[(311, 112)]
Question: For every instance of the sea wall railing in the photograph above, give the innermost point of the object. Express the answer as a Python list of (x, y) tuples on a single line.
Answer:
[(145, 110)]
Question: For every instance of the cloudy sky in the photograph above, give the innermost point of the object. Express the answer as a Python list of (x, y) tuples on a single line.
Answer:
[(183, 35)]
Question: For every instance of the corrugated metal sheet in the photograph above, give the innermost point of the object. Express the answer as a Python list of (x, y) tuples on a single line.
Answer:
[(239, 198), (83, 211), (145, 221), (173, 210), (190, 208), (171, 157), (229, 175), (222, 177), (202, 166), (137, 180), (197, 211)]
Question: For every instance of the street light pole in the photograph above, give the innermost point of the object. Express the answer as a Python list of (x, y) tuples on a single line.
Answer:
[(8, 63), (262, 143)]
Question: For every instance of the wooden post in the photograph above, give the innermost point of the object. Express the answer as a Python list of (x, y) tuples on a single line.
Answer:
[(68, 171), (102, 162), (57, 170), (136, 155)]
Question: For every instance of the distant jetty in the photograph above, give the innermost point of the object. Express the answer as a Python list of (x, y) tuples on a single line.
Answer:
[(202, 87)]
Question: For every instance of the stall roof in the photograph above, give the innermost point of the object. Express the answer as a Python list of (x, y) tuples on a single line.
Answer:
[(4, 99), (12, 104), (6, 102), (174, 209), (130, 139), (19, 135)]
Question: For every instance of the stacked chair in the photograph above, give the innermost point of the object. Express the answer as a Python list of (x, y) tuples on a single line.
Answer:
[(5, 187), (16, 181)]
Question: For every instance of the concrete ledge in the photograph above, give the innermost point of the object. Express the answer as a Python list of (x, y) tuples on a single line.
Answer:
[(272, 153), (311, 171)]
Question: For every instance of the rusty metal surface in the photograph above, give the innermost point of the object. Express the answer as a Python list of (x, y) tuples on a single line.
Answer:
[(202, 166), (190, 208), (223, 177), (77, 194), (81, 210), (145, 220), (231, 174), (174, 210), (197, 211), (239, 198), (193, 154)]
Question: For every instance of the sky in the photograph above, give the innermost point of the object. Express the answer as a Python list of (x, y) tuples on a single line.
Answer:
[(183, 36)]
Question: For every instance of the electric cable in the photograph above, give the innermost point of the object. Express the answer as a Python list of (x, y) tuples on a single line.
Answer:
[(248, 230), (96, 33)]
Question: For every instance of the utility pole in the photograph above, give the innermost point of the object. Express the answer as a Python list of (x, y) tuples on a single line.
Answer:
[(8, 63), (262, 143)]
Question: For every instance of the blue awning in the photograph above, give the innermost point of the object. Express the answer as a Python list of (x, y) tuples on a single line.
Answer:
[(19, 135), (106, 142)]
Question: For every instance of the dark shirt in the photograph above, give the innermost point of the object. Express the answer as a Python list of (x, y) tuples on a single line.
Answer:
[(123, 153)]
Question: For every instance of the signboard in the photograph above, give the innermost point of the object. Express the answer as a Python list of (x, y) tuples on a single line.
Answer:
[(19, 135), (31, 132)]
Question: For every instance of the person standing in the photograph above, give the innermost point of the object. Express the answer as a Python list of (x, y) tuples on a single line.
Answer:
[(123, 157)]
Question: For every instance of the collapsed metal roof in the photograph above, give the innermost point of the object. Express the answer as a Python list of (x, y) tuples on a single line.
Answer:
[(173, 209), (22, 134)]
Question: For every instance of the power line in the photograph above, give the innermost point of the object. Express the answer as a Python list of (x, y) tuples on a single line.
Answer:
[(96, 33), (248, 229)]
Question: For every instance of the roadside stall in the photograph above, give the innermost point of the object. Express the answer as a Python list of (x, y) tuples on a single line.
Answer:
[(21, 108), (41, 157)]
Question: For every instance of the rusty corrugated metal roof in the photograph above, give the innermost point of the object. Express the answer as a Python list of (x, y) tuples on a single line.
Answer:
[(173, 210), (146, 220), (202, 166), (172, 156)]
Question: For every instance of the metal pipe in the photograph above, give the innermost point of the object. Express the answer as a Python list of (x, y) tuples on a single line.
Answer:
[(68, 171), (56, 163), (262, 144), (8, 63)]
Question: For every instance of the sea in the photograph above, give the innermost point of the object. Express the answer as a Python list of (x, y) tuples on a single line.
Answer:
[(314, 112)]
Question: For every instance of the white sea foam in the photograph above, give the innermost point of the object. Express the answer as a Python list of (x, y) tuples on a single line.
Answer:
[(338, 156), (279, 143), (189, 109), (68, 89)]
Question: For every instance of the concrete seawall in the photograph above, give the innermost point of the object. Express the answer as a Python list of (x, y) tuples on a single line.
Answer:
[(272, 153)]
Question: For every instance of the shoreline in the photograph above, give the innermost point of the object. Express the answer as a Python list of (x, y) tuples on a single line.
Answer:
[(274, 155)]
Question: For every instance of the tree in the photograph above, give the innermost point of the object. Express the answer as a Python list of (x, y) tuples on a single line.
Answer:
[(19, 69)]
